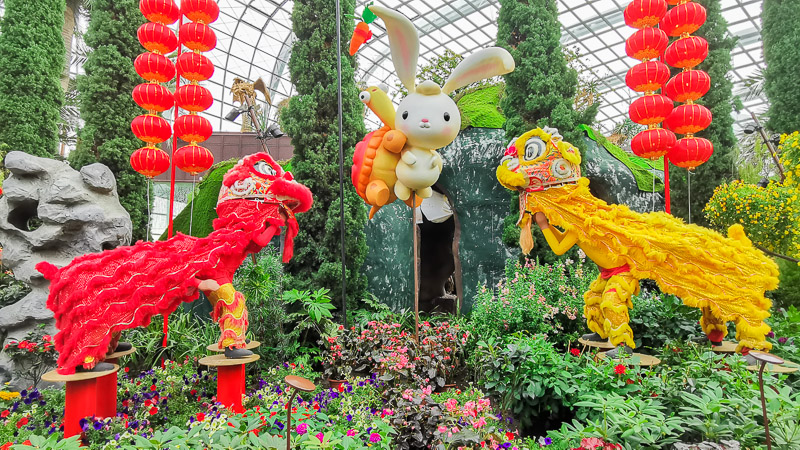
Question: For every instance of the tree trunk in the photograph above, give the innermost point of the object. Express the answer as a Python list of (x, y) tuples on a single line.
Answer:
[(67, 33)]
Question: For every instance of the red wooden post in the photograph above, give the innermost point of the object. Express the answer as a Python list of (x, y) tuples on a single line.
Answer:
[(107, 393), (81, 401), (230, 386)]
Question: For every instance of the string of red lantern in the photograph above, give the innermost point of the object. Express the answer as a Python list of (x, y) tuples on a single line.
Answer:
[(195, 67), (687, 86), (156, 37), (647, 77)]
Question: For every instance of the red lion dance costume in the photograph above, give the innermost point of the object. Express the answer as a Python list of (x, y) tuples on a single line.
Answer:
[(98, 295)]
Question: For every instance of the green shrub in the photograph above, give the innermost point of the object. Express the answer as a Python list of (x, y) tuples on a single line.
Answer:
[(535, 298), (11, 289), (658, 318)]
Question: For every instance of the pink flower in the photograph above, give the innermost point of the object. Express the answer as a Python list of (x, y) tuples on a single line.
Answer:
[(320, 436), (302, 428), (479, 423), (590, 443), (351, 433), (374, 437), (442, 429)]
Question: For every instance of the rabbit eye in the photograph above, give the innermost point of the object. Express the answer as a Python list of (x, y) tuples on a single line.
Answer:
[(447, 117), (405, 115)]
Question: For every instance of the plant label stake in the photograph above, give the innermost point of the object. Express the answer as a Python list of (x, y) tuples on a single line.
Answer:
[(764, 358), (297, 384)]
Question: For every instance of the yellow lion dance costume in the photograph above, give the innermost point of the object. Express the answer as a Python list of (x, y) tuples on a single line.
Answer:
[(725, 277)]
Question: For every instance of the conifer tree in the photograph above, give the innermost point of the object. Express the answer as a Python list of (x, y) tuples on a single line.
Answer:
[(311, 120), (541, 90), (31, 60), (719, 168), (781, 41), (106, 104)]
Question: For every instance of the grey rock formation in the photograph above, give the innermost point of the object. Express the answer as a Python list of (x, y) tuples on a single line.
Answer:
[(52, 212), (723, 445)]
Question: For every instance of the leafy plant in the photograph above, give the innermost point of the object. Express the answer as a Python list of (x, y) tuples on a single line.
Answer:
[(657, 318), (53, 442), (11, 289), (314, 312), (33, 356), (714, 415)]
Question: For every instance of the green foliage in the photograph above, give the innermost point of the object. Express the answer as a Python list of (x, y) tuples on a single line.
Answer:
[(31, 60), (311, 119), (719, 99), (107, 107), (658, 318), (641, 168), (188, 337), (11, 289), (52, 442), (536, 298), (785, 325), (788, 293), (205, 204), (261, 284), (480, 107), (780, 43), (542, 88)]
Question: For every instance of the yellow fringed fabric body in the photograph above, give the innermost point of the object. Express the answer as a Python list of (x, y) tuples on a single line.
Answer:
[(727, 275), (230, 312)]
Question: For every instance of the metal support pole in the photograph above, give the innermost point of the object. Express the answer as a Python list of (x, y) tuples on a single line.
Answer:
[(341, 156), (415, 257)]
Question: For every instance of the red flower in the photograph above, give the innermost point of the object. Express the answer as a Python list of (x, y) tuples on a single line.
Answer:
[(27, 442), (201, 417), (509, 435), (153, 411), (619, 369), (6, 446), (22, 422), (575, 352), (127, 369), (5, 413), (153, 387)]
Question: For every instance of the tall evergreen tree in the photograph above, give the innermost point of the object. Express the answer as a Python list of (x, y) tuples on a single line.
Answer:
[(541, 90), (311, 119), (106, 104), (781, 41), (31, 60), (719, 99)]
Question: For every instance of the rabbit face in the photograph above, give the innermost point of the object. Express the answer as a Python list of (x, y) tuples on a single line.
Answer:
[(428, 121)]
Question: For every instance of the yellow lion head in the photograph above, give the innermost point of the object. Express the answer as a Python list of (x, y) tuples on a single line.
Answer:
[(539, 160)]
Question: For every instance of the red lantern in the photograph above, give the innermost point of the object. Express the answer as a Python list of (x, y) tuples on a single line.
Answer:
[(160, 11), (193, 159), (650, 109), (653, 143), (192, 97), (203, 11), (686, 52), (154, 67), (647, 43), (158, 38), (193, 128), (647, 76), (150, 161), (690, 152), (194, 66), (153, 97), (645, 13), (688, 86), (198, 37), (686, 18), (151, 128), (688, 119)]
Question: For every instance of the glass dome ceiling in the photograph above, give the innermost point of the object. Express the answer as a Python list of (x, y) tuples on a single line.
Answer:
[(255, 40)]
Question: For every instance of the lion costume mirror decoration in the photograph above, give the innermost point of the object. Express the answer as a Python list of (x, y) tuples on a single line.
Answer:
[(725, 277), (401, 159), (98, 295)]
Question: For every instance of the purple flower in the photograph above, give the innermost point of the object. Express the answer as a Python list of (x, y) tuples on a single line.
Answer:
[(782, 340), (547, 441), (84, 424), (97, 426), (349, 417), (302, 428), (771, 334)]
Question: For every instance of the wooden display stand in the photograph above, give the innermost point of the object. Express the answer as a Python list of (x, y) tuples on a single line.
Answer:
[(726, 347), (602, 345), (230, 379), (772, 363), (107, 387), (249, 346), (82, 396), (643, 360)]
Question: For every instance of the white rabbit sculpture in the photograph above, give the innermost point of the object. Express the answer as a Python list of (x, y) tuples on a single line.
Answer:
[(427, 116)]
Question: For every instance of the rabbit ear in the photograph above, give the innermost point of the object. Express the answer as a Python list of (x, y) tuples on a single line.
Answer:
[(485, 63), (404, 43)]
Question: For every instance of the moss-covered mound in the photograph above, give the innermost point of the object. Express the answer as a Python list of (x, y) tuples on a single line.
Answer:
[(481, 108)]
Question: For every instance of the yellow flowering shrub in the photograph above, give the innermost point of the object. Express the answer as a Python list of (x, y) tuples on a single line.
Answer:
[(769, 215)]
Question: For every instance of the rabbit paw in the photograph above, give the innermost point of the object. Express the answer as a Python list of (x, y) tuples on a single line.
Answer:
[(402, 191)]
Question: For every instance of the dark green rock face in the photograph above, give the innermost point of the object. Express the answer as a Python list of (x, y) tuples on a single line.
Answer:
[(613, 182), (480, 203)]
